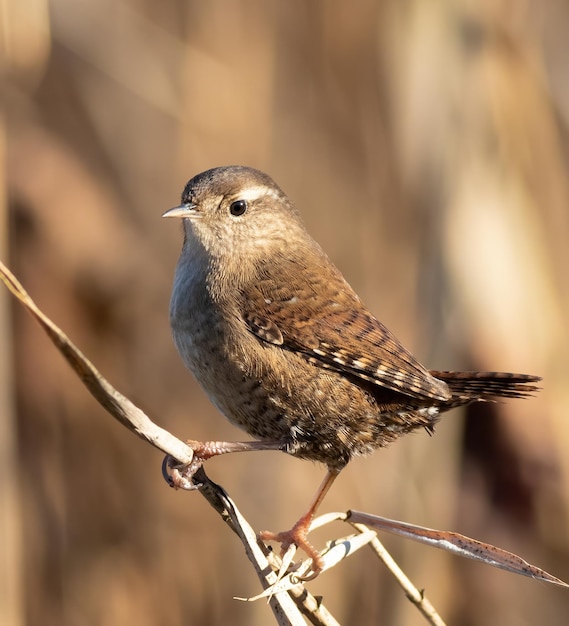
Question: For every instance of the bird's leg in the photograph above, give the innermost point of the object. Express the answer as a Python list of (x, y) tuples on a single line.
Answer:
[(297, 535), (181, 476)]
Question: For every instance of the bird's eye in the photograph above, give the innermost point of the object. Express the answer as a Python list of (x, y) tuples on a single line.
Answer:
[(238, 207)]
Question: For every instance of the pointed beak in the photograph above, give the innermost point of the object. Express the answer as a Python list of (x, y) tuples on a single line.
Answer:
[(183, 210)]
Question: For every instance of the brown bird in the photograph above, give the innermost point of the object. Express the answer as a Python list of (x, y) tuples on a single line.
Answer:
[(285, 348)]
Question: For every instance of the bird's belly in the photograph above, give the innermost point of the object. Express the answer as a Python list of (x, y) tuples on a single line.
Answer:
[(276, 394), (234, 381)]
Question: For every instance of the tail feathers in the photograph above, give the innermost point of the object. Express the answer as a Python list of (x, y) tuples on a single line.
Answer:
[(467, 387)]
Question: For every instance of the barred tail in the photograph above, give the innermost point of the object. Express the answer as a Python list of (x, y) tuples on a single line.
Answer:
[(467, 387)]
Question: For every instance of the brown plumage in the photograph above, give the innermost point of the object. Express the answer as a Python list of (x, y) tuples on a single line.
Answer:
[(282, 344)]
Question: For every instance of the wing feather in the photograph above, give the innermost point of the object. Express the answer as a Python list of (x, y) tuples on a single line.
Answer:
[(325, 321)]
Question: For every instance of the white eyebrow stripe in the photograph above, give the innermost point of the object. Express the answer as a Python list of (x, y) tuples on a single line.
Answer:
[(254, 193)]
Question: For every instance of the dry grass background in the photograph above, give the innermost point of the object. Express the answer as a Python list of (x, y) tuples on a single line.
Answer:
[(426, 145)]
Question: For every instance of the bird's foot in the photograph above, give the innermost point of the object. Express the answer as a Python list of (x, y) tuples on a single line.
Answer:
[(297, 536), (180, 476)]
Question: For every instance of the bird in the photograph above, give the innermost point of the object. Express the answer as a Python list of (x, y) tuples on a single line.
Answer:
[(285, 348)]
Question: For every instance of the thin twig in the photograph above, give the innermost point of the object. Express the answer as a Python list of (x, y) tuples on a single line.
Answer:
[(129, 415), (285, 593), (458, 544), (417, 597), (119, 406)]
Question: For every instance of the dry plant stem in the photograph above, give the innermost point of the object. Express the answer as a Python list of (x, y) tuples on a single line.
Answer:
[(217, 497), (458, 544), (135, 420), (313, 609), (415, 596), (283, 606), (122, 409)]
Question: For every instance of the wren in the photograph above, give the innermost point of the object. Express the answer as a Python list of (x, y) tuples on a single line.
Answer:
[(285, 348)]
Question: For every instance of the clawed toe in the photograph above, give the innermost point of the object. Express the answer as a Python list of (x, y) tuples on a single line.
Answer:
[(297, 536), (181, 476)]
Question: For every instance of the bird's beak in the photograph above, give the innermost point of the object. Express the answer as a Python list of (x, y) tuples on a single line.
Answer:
[(183, 210)]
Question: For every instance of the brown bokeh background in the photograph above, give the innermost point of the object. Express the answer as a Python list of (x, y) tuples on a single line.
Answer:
[(426, 144)]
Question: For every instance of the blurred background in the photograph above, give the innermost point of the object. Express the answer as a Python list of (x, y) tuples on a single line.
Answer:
[(426, 144)]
